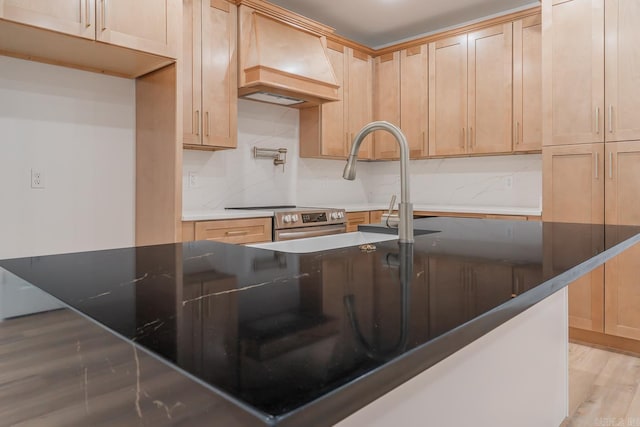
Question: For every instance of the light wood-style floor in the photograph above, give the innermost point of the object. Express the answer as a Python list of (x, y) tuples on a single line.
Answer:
[(604, 388)]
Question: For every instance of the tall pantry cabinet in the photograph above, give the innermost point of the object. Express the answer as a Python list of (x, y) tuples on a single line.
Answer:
[(592, 105)]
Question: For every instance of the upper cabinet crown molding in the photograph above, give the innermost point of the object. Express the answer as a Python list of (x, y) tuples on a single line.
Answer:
[(63, 32), (284, 15)]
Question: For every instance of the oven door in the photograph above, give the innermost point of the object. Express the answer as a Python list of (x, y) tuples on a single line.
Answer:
[(303, 232)]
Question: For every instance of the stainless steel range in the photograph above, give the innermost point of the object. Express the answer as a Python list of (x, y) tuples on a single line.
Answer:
[(291, 222)]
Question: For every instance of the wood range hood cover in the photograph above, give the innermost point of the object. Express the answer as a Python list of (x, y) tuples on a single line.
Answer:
[(282, 64)]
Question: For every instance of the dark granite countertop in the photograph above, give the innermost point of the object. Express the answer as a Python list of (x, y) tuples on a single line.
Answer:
[(307, 339)]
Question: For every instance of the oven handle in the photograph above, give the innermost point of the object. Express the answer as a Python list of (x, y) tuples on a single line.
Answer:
[(301, 233)]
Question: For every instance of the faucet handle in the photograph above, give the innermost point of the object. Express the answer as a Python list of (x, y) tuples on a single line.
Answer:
[(390, 219), (392, 204)]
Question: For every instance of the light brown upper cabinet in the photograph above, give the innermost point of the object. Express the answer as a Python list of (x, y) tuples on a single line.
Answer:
[(527, 84), (145, 25), (414, 98), (575, 39), (210, 102), (322, 128), (401, 96), (470, 93), (593, 78), (74, 17), (622, 207), (490, 90), (327, 131), (622, 55), (386, 103), (448, 96), (359, 99)]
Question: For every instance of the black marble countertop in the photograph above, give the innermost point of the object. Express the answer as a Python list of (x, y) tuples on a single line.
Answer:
[(307, 339)]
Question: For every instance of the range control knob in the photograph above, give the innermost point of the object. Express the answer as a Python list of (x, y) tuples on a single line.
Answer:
[(294, 218), (340, 214), (334, 215), (286, 219)]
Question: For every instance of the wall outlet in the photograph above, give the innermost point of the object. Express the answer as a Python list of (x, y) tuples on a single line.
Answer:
[(193, 180), (508, 182), (37, 178)]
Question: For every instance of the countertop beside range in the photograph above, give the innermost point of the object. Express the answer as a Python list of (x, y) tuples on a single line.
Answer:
[(217, 214), (293, 339)]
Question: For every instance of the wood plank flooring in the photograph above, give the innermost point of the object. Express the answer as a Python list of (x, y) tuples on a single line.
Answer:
[(604, 388)]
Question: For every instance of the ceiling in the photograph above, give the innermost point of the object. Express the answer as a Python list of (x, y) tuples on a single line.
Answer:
[(376, 23)]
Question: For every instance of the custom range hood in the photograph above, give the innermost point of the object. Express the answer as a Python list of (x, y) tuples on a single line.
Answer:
[(281, 63)]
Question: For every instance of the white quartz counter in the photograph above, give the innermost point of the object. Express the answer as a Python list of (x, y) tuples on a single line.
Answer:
[(206, 215)]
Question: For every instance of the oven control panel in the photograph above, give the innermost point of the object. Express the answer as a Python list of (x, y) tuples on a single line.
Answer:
[(303, 217)]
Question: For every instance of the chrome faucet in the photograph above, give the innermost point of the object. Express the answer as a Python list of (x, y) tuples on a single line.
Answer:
[(405, 208)]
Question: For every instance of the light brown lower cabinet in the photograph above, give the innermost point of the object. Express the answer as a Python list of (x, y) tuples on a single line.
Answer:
[(598, 184), (354, 219), (238, 231), (622, 274)]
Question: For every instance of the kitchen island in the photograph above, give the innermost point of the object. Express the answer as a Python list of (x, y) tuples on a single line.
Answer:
[(205, 333)]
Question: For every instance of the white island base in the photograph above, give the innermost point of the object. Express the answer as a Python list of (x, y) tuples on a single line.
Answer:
[(514, 376)]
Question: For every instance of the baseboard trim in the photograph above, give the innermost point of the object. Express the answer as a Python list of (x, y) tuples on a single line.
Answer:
[(607, 342)]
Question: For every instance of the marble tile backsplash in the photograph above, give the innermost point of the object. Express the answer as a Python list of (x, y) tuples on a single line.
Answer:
[(234, 178), (490, 181)]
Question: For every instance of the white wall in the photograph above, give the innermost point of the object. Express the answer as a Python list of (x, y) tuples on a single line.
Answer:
[(78, 129), (235, 178)]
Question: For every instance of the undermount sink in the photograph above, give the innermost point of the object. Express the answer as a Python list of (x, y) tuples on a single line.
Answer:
[(324, 243)]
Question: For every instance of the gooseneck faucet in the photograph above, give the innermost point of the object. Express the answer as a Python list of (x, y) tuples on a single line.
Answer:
[(405, 208)]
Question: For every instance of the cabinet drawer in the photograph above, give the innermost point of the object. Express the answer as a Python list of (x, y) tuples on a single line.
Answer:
[(354, 219), (253, 230)]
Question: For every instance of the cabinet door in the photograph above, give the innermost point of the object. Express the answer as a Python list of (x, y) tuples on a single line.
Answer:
[(490, 90), (527, 84), (448, 96), (573, 183), (75, 17), (386, 101), (573, 191), (146, 25), (219, 74), (360, 111), (334, 140), (622, 289), (414, 98), (577, 72), (192, 71), (622, 91)]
